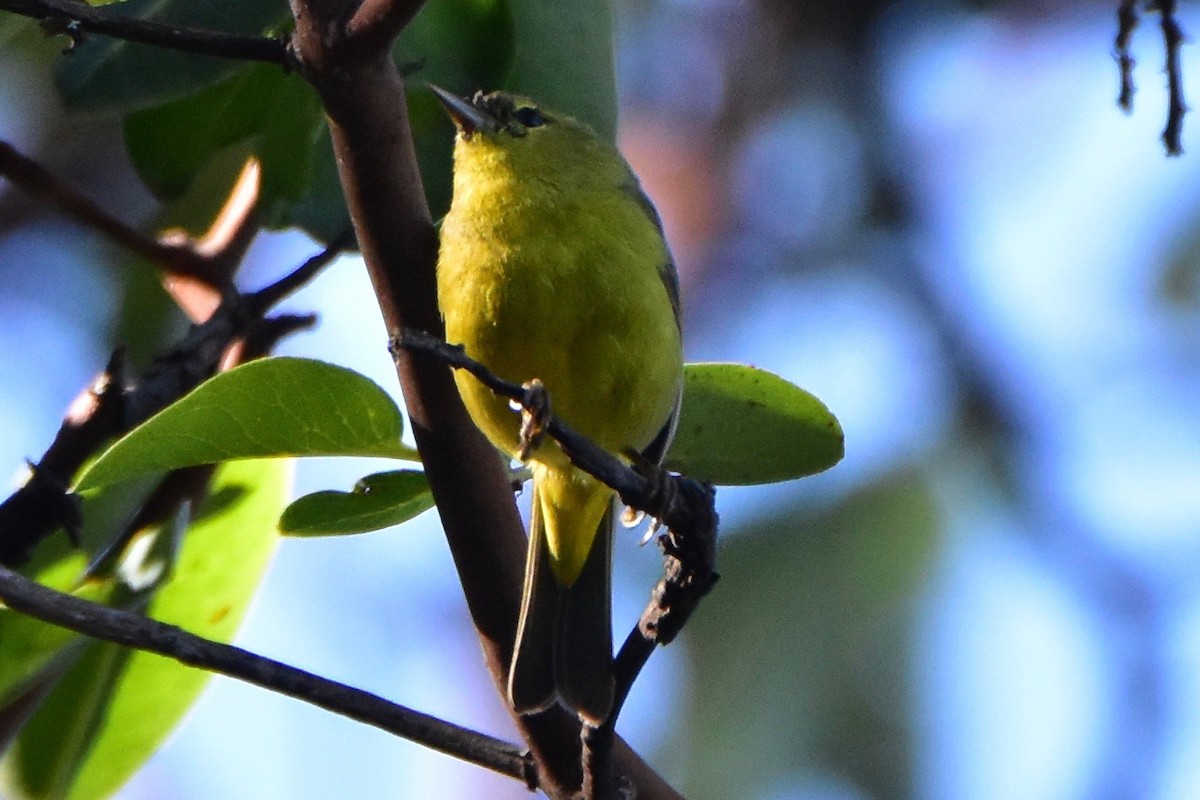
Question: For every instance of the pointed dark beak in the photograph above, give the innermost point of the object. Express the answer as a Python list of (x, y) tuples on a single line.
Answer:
[(466, 116)]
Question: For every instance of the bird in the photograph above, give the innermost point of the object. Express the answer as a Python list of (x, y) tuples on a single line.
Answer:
[(553, 266)]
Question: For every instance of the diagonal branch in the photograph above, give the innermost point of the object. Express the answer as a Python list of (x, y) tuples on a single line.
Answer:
[(176, 257), (109, 21), (109, 408), (133, 630)]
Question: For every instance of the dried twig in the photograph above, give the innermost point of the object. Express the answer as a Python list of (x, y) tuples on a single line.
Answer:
[(1127, 20)]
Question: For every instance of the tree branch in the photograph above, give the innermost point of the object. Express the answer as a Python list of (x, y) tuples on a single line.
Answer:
[(109, 408), (109, 21), (126, 628), (1127, 20), (363, 95), (1176, 107), (176, 257), (1172, 34)]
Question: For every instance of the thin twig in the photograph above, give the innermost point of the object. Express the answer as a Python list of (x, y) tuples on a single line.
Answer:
[(1127, 20), (270, 295), (109, 21), (109, 408), (142, 633), (681, 503), (1177, 108), (1173, 38), (31, 176)]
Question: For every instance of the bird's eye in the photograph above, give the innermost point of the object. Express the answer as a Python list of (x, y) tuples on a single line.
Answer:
[(529, 116)]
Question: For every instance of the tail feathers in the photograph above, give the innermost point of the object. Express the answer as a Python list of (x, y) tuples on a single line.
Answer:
[(531, 675), (583, 668), (564, 637)]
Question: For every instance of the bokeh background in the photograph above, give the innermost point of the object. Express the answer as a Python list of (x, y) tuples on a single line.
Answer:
[(930, 214)]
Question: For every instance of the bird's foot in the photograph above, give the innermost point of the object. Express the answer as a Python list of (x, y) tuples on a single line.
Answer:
[(535, 416)]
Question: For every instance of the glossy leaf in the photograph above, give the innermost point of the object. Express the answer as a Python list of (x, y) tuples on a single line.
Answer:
[(107, 73), (740, 425), (377, 501), (268, 408), (115, 707)]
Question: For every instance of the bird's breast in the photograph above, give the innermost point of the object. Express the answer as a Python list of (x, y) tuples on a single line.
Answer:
[(571, 294)]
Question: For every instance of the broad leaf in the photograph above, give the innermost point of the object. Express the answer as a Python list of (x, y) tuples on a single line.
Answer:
[(115, 707), (275, 114), (740, 425), (377, 501), (268, 408)]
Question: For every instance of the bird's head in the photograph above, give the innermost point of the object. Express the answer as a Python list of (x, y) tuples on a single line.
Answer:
[(502, 128)]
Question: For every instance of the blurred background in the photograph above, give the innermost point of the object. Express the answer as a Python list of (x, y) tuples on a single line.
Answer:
[(931, 215)]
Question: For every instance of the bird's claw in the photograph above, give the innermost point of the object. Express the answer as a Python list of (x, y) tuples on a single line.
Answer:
[(535, 416)]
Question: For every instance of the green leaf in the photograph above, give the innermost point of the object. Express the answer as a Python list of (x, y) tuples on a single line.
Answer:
[(107, 73), (115, 707), (275, 115), (740, 425), (459, 43), (268, 408), (377, 501), (564, 58), (29, 646)]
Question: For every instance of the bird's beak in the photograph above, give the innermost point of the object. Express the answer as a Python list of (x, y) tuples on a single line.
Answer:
[(467, 118)]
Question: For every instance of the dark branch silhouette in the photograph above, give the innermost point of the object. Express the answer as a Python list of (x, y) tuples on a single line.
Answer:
[(1173, 38), (110, 407), (133, 630), (78, 18)]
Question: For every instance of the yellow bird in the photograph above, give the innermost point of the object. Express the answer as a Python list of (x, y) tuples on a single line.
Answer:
[(553, 266)]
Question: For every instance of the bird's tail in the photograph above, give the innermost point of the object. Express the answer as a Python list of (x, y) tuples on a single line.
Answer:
[(564, 636)]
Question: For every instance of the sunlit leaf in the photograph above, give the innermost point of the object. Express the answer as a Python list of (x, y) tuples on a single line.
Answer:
[(267, 408), (377, 501), (740, 425), (27, 645), (115, 707)]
